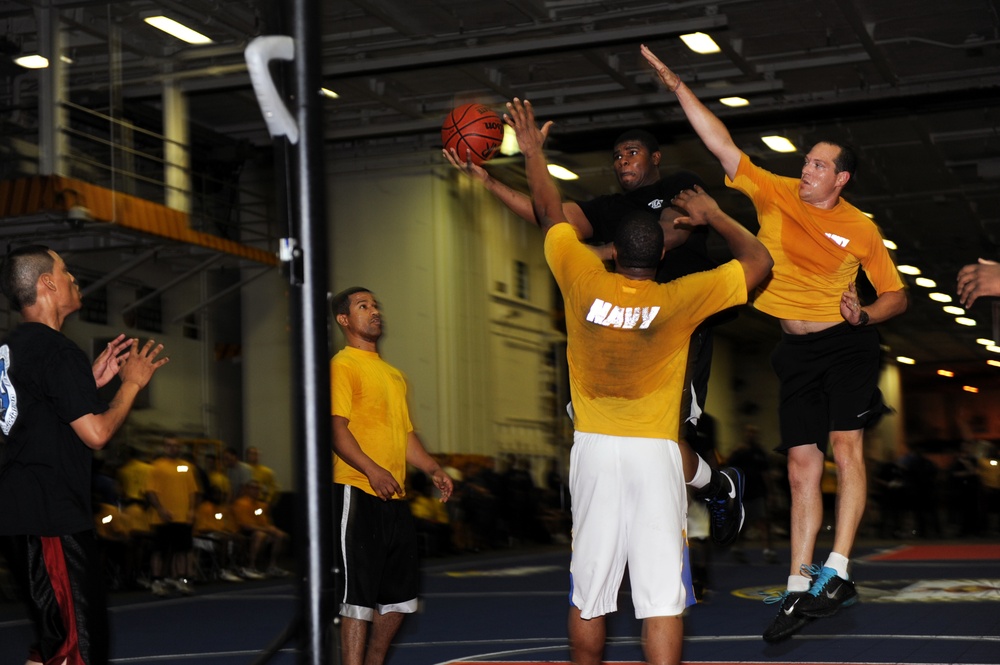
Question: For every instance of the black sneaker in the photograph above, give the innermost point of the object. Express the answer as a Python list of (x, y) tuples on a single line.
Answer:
[(789, 620), (828, 593), (726, 507)]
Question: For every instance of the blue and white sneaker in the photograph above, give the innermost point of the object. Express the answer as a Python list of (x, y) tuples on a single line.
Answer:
[(725, 506)]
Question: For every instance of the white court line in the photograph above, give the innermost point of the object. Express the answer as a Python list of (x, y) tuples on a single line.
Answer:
[(193, 656)]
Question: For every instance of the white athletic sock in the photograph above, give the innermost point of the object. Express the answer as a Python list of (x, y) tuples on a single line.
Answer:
[(839, 563), (798, 583), (702, 476)]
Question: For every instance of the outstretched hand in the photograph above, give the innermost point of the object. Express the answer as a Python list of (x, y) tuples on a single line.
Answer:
[(140, 364), (467, 167), (698, 205), (107, 364), (978, 279), (670, 80), (520, 117)]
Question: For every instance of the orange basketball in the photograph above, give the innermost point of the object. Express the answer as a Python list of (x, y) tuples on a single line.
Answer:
[(473, 129)]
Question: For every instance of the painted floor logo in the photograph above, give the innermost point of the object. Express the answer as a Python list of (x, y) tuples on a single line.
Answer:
[(908, 591)]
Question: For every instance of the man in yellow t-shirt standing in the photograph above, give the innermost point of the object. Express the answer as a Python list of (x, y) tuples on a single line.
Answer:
[(173, 496), (827, 361), (627, 348), (373, 441)]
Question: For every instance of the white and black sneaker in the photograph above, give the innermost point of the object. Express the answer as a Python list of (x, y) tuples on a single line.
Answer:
[(789, 620), (724, 497)]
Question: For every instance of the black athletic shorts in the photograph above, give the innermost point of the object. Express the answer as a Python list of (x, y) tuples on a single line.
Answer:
[(61, 580), (829, 383), (378, 545)]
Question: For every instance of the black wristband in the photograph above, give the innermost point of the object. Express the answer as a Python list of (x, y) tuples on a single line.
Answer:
[(862, 319)]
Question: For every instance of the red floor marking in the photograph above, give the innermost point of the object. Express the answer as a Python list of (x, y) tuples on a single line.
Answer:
[(939, 553)]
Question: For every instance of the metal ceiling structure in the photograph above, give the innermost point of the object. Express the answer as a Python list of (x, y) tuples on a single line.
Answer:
[(914, 84)]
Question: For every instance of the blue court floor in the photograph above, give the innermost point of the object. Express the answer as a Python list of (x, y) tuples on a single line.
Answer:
[(921, 602)]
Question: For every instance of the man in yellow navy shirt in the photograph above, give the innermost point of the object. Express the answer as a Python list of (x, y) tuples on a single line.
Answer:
[(828, 359), (373, 441), (627, 347)]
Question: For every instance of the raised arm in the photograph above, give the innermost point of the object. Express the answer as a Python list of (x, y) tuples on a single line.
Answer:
[(96, 429), (517, 202), (702, 209), (545, 196), (709, 128)]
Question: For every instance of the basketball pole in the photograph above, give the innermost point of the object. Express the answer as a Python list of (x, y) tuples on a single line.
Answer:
[(312, 396)]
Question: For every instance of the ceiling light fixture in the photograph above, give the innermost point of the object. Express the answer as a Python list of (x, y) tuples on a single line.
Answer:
[(965, 321), (178, 30), (970, 389), (939, 297), (908, 270), (904, 360), (994, 348), (925, 282), (994, 363), (945, 372), (734, 101), (985, 342), (699, 42), (778, 143), (561, 172), (330, 94), (888, 243), (953, 310), (33, 61)]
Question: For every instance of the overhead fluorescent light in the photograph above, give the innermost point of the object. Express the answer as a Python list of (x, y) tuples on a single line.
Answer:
[(939, 297), (778, 143), (925, 282), (561, 172), (734, 101), (699, 42), (888, 243), (904, 360), (946, 372), (965, 321), (178, 30), (908, 270), (326, 92), (970, 389), (993, 348), (994, 363), (33, 61), (985, 342), (951, 309)]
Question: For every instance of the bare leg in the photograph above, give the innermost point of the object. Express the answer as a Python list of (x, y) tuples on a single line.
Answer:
[(852, 488), (586, 638), (384, 627), (353, 637), (662, 638), (805, 469)]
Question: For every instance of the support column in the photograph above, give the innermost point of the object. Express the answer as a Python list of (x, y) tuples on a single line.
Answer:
[(53, 145), (176, 150)]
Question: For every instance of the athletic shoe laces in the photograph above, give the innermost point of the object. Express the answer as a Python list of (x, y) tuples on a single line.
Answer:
[(771, 599), (825, 575)]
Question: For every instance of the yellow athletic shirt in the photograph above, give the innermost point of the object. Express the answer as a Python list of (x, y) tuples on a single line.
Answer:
[(628, 339), (816, 252), (371, 394)]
